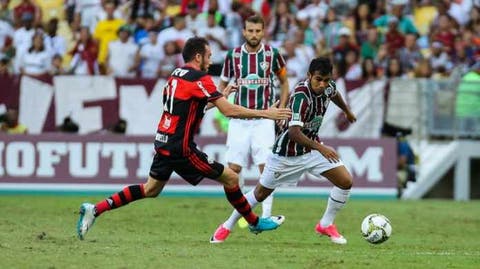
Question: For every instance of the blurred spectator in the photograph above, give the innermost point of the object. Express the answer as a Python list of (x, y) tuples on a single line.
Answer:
[(171, 60), (234, 26), (362, 19), (193, 20), (321, 49), (459, 10), (5, 67), (216, 37), (410, 53), (85, 53), (310, 36), (439, 59), (141, 8), (343, 7), (331, 29), (424, 14), (442, 9), (393, 38), (55, 44), (370, 47), (303, 51), (121, 55), (10, 125), (281, 22), (394, 68), (144, 26), (369, 70), (350, 68), (296, 67), (178, 32), (57, 67), (445, 34), (85, 13), (316, 12), (149, 57), (6, 13), (468, 99), (405, 24), (106, 32), (222, 7), (219, 8), (344, 45), (22, 38), (6, 40), (27, 8), (423, 69), (36, 61), (51, 9), (381, 60), (162, 18)]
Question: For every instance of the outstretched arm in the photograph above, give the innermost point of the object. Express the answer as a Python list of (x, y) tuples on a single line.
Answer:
[(235, 111), (226, 90), (338, 100)]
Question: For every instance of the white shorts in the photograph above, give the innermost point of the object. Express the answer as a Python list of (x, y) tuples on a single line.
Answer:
[(245, 137), (281, 170)]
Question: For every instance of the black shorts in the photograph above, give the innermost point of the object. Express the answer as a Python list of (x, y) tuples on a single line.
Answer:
[(193, 168)]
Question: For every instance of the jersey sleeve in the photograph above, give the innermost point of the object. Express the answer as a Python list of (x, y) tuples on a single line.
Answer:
[(279, 64), (299, 107), (227, 70), (207, 89)]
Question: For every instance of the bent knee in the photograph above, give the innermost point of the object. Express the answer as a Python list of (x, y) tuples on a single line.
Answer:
[(346, 183), (230, 178)]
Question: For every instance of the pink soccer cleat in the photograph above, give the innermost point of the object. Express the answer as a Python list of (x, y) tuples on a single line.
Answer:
[(331, 231), (220, 235)]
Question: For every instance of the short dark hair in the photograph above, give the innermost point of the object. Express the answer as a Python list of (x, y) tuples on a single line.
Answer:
[(256, 19), (193, 46), (320, 64)]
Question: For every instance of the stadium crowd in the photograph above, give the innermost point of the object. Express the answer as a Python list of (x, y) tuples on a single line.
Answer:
[(143, 38)]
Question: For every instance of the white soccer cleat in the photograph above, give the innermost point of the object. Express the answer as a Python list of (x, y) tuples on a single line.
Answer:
[(86, 220)]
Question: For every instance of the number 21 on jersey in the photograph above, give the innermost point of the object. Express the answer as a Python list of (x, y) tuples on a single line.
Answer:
[(169, 95)]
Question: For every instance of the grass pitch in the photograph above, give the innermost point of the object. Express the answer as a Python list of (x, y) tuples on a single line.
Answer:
[(168, 232)]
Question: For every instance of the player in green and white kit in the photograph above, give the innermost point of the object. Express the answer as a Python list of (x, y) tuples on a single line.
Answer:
[(298, 149), (252, 68)]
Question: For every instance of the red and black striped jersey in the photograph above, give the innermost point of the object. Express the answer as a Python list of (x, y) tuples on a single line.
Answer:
[(185, 96), (308, 110)]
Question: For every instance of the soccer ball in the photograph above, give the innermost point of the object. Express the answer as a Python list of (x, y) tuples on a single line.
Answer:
[(376, 228)]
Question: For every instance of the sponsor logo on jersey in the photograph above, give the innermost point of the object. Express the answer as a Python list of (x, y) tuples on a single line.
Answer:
[(252, 81)]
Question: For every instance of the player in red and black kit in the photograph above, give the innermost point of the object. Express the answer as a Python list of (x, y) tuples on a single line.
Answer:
[(185, 97)]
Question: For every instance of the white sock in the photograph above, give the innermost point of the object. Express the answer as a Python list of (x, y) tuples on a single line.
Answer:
[(338, 198), (230, 223), (267, 206)]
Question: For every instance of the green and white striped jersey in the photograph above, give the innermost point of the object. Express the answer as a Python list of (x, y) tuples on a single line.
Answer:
[(308, 110), (253, 73)]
